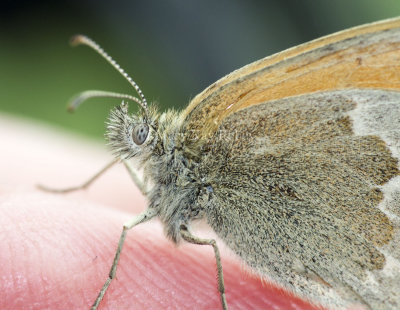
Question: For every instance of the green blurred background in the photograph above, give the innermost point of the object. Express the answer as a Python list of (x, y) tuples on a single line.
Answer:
[(173, 49)]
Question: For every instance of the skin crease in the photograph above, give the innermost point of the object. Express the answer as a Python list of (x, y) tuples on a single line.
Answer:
[(56, 250)]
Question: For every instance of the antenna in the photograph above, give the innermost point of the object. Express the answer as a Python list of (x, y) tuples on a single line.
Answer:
[(84, 40), (83, 96)]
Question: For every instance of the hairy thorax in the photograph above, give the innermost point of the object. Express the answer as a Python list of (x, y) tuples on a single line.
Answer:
[(178, 187)]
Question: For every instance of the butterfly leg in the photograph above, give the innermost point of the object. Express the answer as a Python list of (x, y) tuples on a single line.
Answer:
[(187, 236), (82, 186), (141, 218), (135, 177)]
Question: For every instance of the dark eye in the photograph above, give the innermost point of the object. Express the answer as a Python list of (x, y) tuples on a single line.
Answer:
[(140, 133)]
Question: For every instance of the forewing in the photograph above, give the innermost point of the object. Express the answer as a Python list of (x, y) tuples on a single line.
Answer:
[(363, 57)]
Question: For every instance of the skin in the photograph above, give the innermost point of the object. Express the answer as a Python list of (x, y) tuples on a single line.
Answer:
[(56, 250)]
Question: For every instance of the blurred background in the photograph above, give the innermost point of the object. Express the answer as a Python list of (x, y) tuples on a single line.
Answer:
[(172, 49)]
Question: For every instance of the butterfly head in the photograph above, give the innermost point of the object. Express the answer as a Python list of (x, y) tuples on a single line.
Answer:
[(129, 135), (132, 135)]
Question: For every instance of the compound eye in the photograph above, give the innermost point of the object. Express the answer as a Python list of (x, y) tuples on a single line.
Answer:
[(140, 133)]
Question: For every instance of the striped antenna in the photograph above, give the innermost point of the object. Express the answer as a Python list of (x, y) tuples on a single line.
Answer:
[(83, 96), (84, 40)]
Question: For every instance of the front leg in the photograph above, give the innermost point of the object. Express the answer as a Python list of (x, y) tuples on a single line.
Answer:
[(84, 185), (135, 177)]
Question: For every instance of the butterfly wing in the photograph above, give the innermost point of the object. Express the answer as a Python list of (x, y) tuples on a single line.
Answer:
[(363, 57), (300, 156), (306, 191)]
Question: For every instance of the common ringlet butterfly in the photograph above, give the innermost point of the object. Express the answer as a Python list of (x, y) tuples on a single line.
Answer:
[(292, 160)]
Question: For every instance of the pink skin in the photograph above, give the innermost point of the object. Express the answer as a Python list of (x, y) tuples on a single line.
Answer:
[(56, 250)]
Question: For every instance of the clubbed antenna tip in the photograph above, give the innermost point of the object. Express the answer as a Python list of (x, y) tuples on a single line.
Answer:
[(77, 40)]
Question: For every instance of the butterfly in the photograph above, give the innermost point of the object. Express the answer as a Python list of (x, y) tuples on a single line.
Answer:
[(292, 160)]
